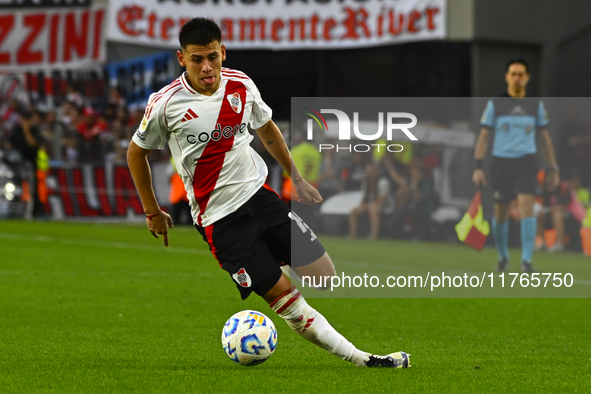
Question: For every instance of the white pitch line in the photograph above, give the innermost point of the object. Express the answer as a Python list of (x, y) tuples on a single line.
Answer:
[(120, 245)]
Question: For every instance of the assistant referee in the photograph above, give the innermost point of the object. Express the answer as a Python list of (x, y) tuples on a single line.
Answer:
[(515, 120)]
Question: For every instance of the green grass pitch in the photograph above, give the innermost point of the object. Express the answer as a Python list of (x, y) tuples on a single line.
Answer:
[(90, 308)]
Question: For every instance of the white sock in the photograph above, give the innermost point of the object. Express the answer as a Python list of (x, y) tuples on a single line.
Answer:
[(312, 326)]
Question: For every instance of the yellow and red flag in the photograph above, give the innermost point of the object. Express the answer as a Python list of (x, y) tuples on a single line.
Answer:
[(473, 229)]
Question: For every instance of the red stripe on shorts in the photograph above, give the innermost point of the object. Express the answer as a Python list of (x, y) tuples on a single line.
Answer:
[(270, 188), (209, 236)]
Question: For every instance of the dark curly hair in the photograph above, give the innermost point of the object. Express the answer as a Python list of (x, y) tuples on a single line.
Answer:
[(199, 31)]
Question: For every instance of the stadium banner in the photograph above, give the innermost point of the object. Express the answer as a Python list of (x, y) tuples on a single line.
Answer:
[(98, 192), (390, 169), (282, 24), (137, 78), (46, 38), (44, 3)]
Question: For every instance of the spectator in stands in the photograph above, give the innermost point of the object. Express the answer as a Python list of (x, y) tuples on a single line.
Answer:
[(422, 200), (110, 113), (116, 99), (123, 115), (53, 133), (90, 130), (399, 177), (73, 95), (564, 209), (26, 138), (329, 183), (3, 135), (353, 173), (121, 138), (70, 147), (9, 113), (575, 146), (376, 200), (68, 115), (135, 117)]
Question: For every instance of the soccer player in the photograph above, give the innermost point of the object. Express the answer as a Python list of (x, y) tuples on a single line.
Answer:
[(203, 117), (515, 121)]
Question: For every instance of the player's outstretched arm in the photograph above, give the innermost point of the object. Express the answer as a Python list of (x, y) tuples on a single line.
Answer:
[(553, 178), (157, 221), (478, 176), (275, 144)]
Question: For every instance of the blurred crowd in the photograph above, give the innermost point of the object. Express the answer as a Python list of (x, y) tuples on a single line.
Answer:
[(564, 212), (397, 189), (75, 133), (32, 140), (397, 192)]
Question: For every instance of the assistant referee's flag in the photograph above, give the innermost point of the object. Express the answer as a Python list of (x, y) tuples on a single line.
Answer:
[(473, 229)]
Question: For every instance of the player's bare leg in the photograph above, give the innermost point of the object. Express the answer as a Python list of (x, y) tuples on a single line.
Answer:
[(500, 230), (354, 217), (319, 271), (317, 274), (282, 286), (525, 205), (312, 326), (557, 212), (540, 228), (375, 213)]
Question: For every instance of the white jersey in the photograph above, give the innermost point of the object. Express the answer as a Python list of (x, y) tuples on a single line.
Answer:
[(209, 140)]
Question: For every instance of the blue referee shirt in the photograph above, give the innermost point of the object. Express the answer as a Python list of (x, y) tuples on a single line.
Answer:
[(514, 122)]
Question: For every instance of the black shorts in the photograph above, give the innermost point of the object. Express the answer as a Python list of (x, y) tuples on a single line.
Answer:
[(510, 177), (251, 243)]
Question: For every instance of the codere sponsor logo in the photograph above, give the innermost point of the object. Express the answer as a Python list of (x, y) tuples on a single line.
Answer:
[(217, 133)]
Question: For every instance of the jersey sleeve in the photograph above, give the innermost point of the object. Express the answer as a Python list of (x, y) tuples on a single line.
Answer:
[(152, 131), (488, 116), (542, 119), (261, 112)]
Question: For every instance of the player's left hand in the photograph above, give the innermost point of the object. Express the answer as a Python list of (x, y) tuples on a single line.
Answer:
[(159, 225), (307, 193), (552, 180)]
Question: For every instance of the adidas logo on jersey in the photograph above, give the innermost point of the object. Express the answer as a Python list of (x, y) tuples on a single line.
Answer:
[(189, 115)]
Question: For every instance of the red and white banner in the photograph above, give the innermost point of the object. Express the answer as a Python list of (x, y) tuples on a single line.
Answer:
[(92, 191), (50, 38), (282, 24)]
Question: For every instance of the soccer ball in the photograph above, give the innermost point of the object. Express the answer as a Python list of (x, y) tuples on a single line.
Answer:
[(249, 338)]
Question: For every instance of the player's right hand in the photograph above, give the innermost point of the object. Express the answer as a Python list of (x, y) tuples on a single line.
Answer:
[(478, 177), (307, 193), (159, 225)]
